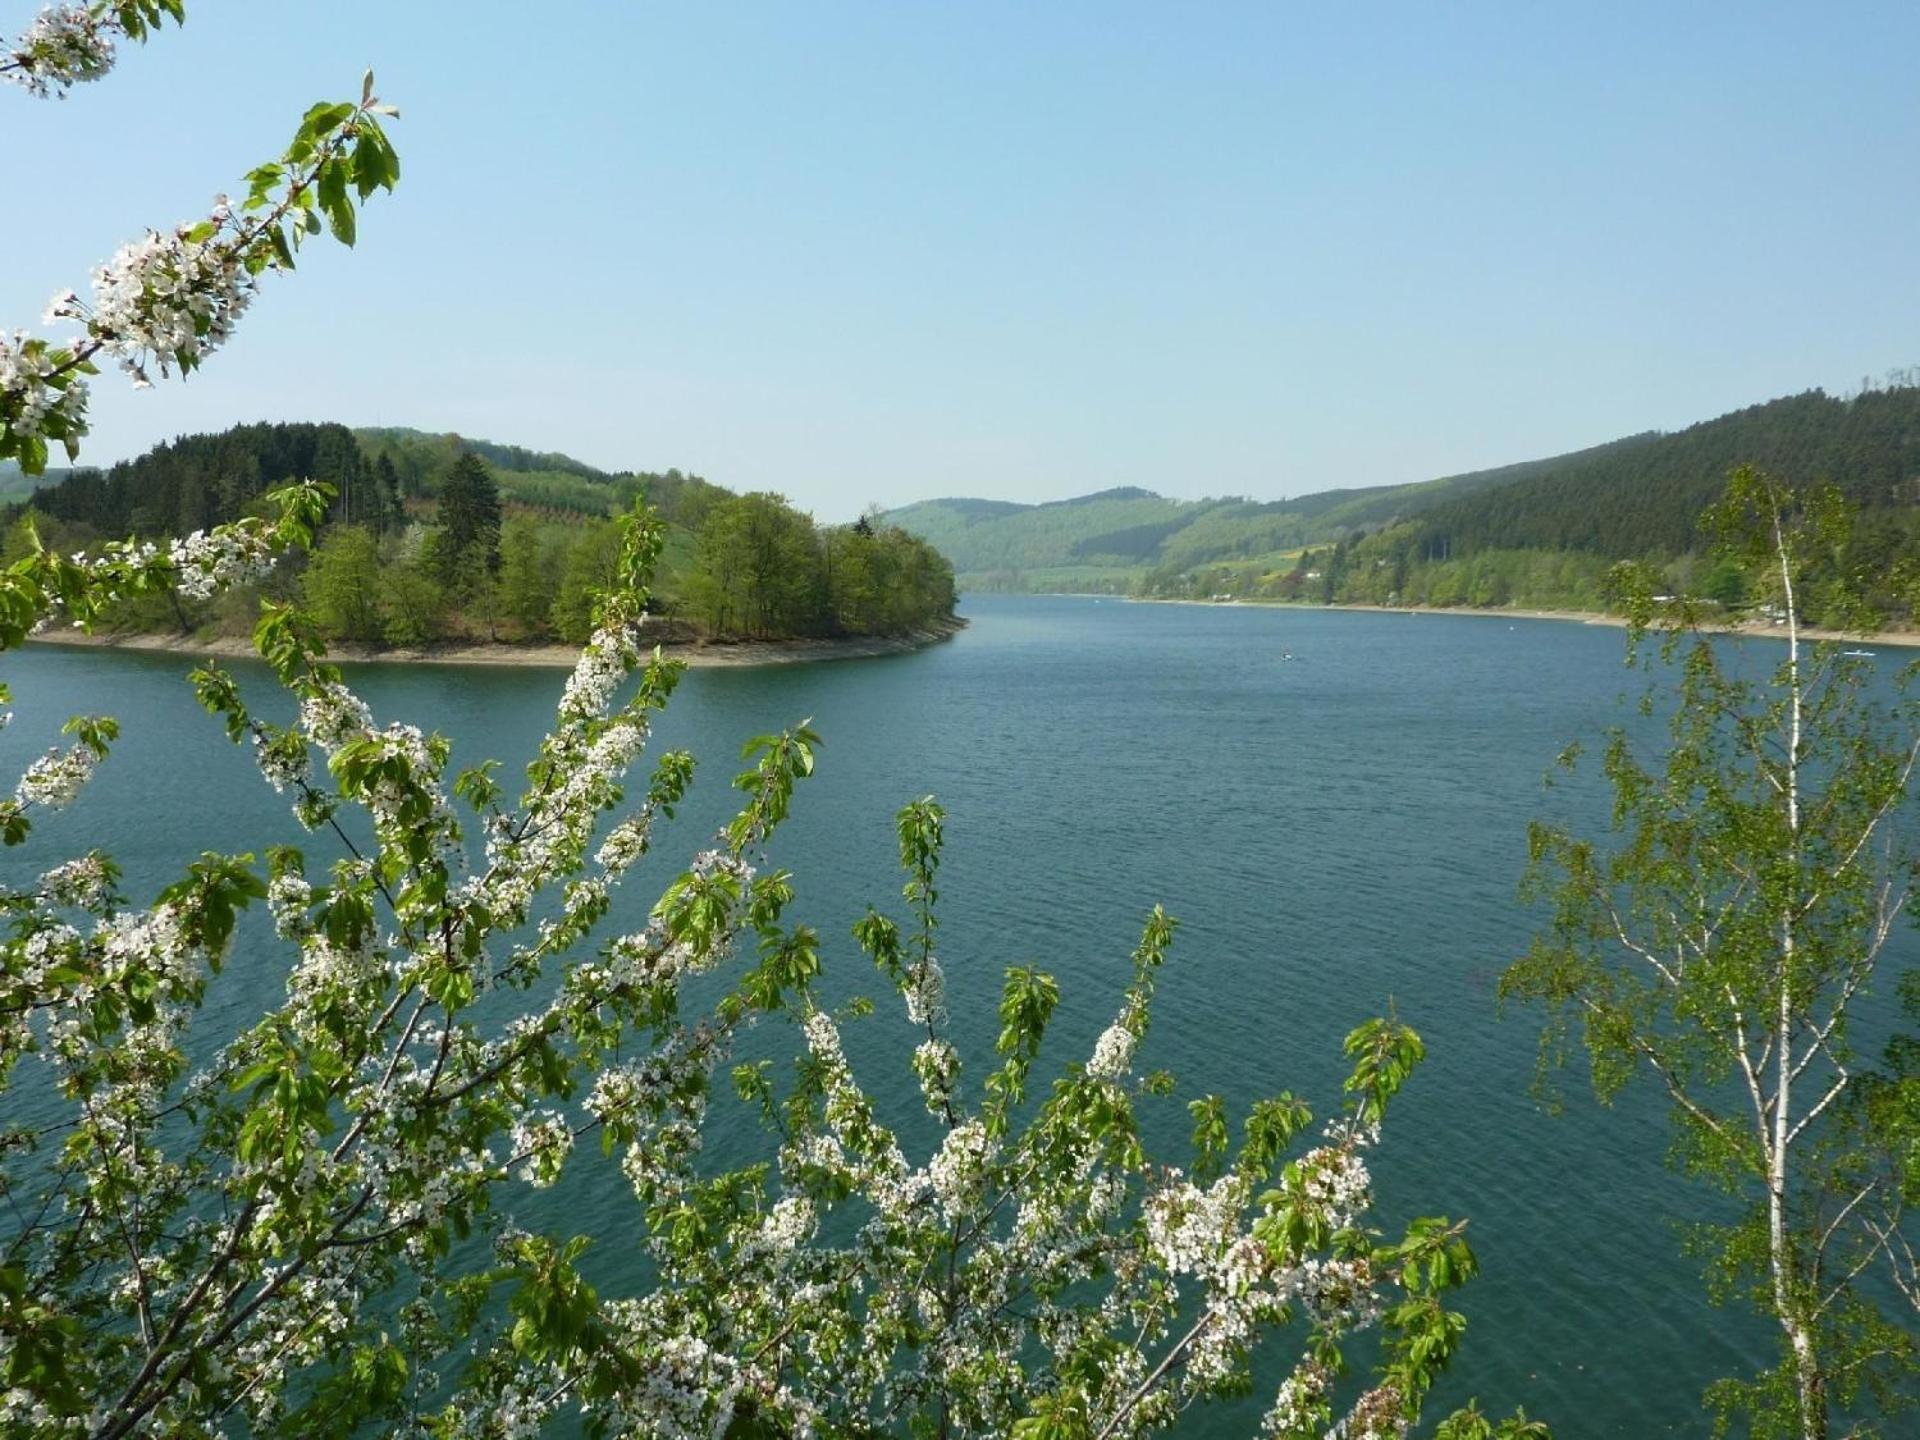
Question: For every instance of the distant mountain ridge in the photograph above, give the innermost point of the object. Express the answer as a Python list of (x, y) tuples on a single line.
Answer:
[(15, 484), (1636, 496)]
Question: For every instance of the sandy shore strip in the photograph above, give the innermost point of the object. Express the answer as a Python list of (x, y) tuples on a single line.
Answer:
[(555, 657), (1760, 629)]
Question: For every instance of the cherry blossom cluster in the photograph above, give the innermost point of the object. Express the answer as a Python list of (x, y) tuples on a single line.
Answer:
[(55, 779), (1112, 1054), (35, 397), (167, 300), (936, 1064), (84, 883), (171, 299), (1300, 1402), (209, 561), (546, 1140), (926, 992), (65, 45)]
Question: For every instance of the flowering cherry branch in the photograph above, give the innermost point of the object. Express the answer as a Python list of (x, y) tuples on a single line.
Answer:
[(67, 45), (309, 1228), (278, 1233), (169, 300)]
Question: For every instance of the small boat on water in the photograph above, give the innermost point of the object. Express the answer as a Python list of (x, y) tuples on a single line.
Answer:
[(1861, 654)]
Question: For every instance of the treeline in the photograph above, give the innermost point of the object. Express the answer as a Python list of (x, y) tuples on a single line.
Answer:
[(1386, 570), (199, 481), (762, 568), (756, 569), (433, 538), (1392, 567), (539, 479)]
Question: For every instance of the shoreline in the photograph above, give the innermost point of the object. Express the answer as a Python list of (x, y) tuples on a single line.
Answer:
[(1905, 639), (700, 655)]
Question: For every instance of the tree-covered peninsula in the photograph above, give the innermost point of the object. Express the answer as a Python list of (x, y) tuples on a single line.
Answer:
[(437, 538)]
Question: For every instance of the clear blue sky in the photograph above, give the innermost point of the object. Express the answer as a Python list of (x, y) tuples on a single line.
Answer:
[(892, 251)]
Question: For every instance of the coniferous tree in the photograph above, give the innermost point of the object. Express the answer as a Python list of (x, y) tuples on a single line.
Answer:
[(387, 485), (469, 519)]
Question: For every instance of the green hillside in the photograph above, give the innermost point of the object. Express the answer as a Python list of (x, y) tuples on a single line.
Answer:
[(1541, 531), (1645, 498), (15, 485), (995, 544), (538, 479), (1114, 539), (1357, 508)]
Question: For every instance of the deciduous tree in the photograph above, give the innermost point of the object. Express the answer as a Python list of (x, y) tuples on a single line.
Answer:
[(1723, 945)]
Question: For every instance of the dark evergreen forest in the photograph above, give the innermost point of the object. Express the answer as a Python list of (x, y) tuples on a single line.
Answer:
[(1646, 498)]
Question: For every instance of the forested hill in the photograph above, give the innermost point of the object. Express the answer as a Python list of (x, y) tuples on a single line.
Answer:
[(1639, 496), (15, 485), (1646, 499), (1110, 539), (436, 537), (199, 480)]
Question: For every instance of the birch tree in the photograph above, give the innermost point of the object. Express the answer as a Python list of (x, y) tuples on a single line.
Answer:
[(1724, 947)]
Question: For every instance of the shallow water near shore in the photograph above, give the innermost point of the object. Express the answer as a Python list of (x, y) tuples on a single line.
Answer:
[(1338, 832)]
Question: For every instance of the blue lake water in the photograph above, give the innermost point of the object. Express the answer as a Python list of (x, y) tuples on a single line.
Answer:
[(1337, 832)]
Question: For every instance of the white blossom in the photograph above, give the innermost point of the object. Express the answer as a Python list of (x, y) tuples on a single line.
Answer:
[(958, 1172), (925, 992), (282, 762), (56, 777), (1112, 1053), (545, 1141), (31, 403), (332, 714), (603, 664), (64, 46), (83, 883), (788, 1224), (624, 844), (1335, 1180), (937, 1064), (208, 561), (1298, 1404), (168, 299)]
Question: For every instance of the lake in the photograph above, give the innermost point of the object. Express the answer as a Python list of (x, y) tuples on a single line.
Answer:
[(1338, 832)]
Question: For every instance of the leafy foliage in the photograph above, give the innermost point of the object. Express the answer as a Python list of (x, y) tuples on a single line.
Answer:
[(306, 1230), (1722, 946)]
